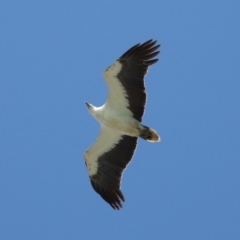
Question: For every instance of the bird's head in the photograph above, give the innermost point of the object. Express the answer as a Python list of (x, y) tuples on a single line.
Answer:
[(90, 108)]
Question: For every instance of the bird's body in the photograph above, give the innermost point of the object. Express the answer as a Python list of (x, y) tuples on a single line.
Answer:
[(116, 120), (120, 120)]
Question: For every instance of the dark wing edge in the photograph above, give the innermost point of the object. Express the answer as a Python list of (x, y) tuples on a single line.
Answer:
[(106, 182), (135, 63)]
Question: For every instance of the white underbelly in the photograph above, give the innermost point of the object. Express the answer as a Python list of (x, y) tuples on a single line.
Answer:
[(125, 125)]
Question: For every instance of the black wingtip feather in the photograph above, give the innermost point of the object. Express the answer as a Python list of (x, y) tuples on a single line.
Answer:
[(112, 196), (142, 50)]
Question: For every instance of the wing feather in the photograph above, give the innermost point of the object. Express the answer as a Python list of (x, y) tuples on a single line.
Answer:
[(125, 78), (106, 160)]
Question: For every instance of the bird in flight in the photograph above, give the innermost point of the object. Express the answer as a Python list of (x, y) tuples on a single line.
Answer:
[(120, 119)]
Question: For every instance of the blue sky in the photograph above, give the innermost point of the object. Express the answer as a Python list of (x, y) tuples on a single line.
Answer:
[(52, 55)]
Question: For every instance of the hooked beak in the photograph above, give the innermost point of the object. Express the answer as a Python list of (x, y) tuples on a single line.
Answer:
[(88, 105)]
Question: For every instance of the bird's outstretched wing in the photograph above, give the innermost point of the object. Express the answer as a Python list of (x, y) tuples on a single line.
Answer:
[(125, 79), (106, 160)]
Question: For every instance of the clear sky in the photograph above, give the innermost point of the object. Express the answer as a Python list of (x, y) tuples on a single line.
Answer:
[(52, 55)]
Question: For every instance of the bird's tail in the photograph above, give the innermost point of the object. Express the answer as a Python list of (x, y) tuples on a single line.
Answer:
[(148, 134)]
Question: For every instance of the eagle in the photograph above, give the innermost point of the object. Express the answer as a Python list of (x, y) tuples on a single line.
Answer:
[(120, 120)]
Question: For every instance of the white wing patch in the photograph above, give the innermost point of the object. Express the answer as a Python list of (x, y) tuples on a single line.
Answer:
[(117, 96), (106, 141), (113, 70)]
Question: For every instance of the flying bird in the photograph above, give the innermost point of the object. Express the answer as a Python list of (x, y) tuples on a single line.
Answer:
[(120, 119)]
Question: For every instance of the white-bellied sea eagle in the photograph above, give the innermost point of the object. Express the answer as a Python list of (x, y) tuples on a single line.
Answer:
[(120, 119)]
